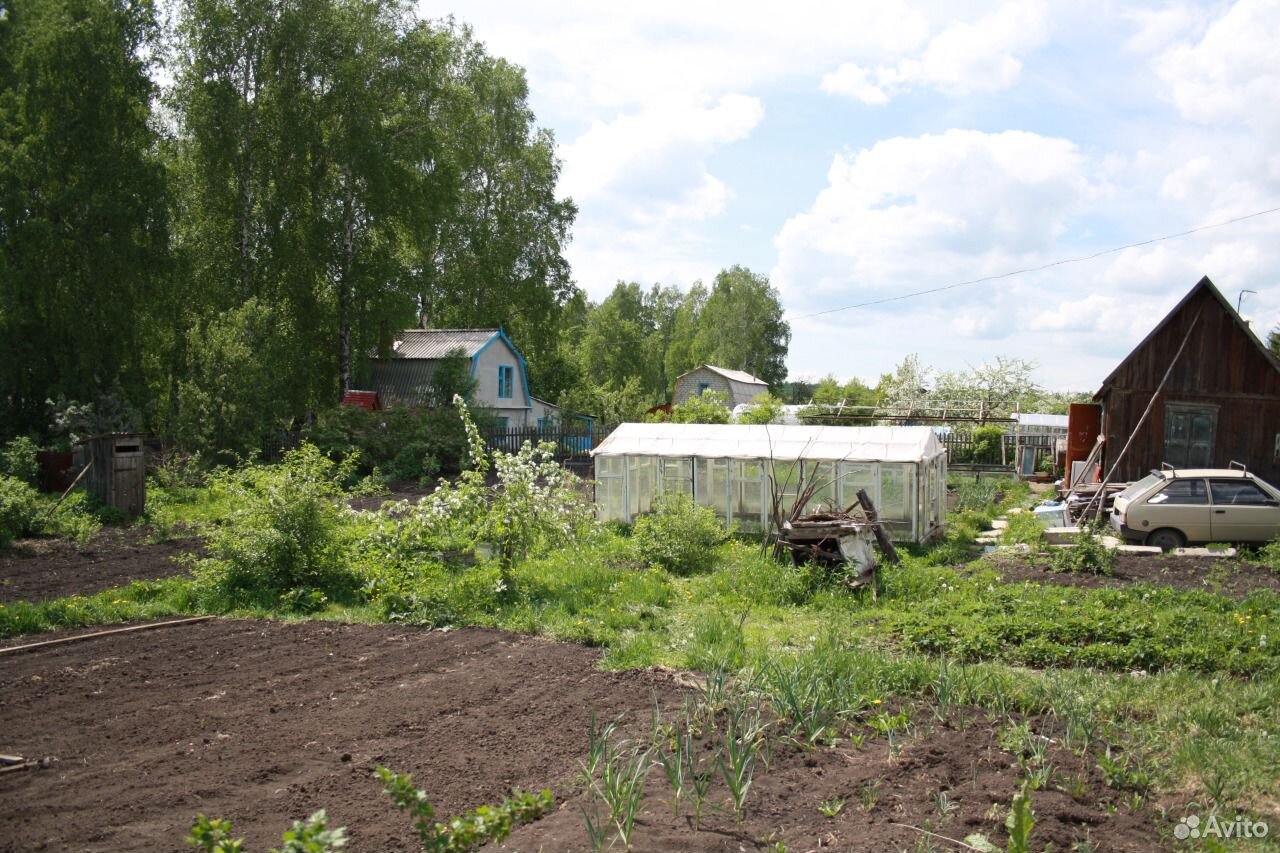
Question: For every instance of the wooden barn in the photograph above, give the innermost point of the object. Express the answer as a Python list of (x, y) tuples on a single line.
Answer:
[(1220, 404)]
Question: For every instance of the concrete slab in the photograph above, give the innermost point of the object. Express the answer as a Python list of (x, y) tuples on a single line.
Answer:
[(1204, 552), (1139, 550), (1061, 535), (1000, 524)]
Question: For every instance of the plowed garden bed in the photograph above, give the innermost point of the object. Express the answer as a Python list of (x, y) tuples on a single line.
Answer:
[(263, 722)]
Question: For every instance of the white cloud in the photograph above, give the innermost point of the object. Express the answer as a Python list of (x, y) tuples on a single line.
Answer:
[(636, 148), (1233, 72), (965, 57), (929, 211)]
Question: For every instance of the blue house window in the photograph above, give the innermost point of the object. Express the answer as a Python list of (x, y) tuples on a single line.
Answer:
[(506, 381), (703, 387)]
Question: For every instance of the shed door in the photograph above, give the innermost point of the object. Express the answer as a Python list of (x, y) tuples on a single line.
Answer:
[(128, 477), (1189, 433)]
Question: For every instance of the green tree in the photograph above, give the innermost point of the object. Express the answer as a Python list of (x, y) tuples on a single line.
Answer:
[(623, 338), (764, 408), (83, 224), (1273, 341), (709, 407), (496, 258), (681, 354), (741, 327)]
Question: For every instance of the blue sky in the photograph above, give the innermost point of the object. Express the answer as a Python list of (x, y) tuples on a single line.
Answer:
[(860, 151)]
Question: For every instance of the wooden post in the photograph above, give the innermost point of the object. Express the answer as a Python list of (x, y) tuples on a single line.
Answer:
[(890, 553)]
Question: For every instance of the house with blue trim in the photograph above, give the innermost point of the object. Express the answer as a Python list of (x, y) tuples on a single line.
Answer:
[(502, 377)]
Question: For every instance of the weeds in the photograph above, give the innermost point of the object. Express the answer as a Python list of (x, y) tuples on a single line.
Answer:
[(869, 795), (831, 807), (480, 826), (305, 836), (1087, 554)]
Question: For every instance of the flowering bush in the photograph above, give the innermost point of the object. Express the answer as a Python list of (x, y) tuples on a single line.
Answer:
[(534, 504)]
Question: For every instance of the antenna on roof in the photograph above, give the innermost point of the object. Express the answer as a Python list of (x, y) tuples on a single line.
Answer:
[(1240, 298)]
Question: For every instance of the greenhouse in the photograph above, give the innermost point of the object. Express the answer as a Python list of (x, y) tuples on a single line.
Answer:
[(732, 469)]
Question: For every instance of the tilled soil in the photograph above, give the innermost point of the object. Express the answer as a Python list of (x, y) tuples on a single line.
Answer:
[(43, 568), (264, 722), (1225, 576)]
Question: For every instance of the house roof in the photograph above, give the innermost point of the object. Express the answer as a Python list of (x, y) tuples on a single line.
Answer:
[(735, 375), (439, 343), (784, 443), (1204, 284)]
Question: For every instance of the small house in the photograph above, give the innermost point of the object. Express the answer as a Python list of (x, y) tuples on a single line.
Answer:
[(735, 469), (737, 386), (1220, 403), (499, 370)]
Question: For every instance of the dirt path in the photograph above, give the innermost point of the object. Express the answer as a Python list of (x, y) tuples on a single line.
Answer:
[(264, 722)]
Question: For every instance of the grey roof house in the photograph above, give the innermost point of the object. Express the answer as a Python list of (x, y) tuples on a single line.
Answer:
[(502, 382), (737, 385)]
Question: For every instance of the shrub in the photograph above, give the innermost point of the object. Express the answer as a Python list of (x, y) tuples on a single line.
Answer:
[(976, 495), (1269, 555), (18, 460), (1024, 529), (535, 505), (284, 542), (679, 535), (405, 444), (19, 510), (1087, 555)]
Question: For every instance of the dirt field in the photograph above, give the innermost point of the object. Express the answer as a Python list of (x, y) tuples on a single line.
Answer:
[(44, 568), (263, 722), (1235, 578)]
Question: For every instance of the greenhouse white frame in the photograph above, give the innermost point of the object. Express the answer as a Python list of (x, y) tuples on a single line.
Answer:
[(729, 468)]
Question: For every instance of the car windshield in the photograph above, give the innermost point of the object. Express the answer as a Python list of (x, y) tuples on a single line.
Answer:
[(1140, 486)]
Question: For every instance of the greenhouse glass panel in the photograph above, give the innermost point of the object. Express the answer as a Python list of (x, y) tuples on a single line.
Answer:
[(748, 495), (641, 485), (677, 476), (897, 495), (823, 477), (711, 485), (786, 483), (858, 475), (611, 498)]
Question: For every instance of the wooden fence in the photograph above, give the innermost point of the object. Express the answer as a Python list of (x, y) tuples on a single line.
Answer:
[(573, 442), (963, 448)]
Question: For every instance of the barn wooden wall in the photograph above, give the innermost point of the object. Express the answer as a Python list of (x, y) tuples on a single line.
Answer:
[(1221, 366)]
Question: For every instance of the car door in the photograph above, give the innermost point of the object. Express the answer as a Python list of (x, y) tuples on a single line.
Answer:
[(1182, 504), (1243, 512)]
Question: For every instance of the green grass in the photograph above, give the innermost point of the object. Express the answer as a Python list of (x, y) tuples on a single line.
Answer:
[(1185, 684)]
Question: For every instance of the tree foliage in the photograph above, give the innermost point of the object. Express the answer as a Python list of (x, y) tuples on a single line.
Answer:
[(83, 223)]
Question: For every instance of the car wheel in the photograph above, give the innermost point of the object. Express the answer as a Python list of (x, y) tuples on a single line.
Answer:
[(1166, 539)]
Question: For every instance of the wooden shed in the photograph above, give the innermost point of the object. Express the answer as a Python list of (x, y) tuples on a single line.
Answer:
[(738, 386), (117, 474), (1221, 403)]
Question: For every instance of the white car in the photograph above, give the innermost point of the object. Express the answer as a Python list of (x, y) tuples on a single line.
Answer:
[(1170, 508)]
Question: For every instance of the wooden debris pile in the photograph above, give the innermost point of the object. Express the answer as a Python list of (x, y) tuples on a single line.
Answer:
[(839, 541)]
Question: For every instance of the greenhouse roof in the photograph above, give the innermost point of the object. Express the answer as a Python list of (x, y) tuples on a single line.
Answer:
[(784, 443)]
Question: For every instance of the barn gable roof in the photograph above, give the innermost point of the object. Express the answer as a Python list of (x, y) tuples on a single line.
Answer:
[(1204, 285), (734, 375), (440, 343)]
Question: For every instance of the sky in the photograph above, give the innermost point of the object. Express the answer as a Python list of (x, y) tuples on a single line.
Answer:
[(861, 151)]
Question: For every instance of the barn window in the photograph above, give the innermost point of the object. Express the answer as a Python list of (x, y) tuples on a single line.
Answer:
[(506, 381), (703, 387), (1189, 433)]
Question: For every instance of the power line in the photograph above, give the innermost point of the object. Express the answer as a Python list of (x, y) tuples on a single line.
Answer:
[(1058, 263)]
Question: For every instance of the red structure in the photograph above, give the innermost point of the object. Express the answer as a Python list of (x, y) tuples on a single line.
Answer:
[(367, 400)]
